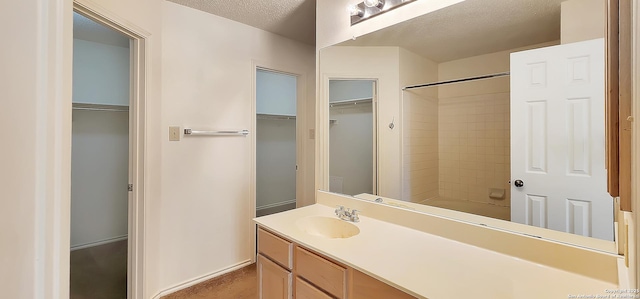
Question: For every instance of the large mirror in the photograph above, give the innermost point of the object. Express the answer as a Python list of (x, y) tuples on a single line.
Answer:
[(523, 147)]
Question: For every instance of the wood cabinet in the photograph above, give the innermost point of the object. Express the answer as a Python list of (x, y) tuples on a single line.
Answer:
[(297, 272), (305, 290), (275, 261), (321, 272), (364, 286), (274, 282)]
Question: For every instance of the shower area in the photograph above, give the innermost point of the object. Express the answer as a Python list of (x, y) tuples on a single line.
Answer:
[(457, 145)]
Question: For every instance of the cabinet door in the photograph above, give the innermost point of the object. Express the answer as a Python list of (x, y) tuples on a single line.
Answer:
[(364, 286), (323, 273), (304, 290), (274, 282)]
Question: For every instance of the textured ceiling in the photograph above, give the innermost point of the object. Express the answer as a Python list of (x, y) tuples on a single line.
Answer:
[(471, 28), (86, 29), (294, 19)]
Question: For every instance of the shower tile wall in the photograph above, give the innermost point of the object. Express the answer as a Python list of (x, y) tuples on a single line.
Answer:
[(420, 149), (474, 147)]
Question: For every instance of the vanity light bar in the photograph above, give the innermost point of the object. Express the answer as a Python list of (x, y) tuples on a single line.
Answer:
[(371, 8)]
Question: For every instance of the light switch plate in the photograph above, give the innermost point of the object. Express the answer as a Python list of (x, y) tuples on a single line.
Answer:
[(174, 133)]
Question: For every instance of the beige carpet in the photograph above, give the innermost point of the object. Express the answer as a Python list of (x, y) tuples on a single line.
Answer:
[(240, 284), (99, 272)]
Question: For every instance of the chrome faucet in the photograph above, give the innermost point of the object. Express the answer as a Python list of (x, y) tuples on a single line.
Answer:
[(347, 214)]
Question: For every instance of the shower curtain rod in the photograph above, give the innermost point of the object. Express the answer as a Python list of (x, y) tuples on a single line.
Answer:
[(457, 80)]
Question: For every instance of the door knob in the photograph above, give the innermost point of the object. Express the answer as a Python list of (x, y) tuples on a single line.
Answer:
[(518, 183)]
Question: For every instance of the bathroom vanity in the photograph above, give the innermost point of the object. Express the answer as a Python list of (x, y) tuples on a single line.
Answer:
[(286, 268), (396, 253)]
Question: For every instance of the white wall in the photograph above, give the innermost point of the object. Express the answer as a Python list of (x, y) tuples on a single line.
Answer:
[(354, 63), (275, 162), (275, 93), (100, 73), (24, 176), (208, 69), (99, 176), (340, 90), (582, 20)]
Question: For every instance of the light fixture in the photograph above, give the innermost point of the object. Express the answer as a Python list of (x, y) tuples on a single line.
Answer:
[(371, 8), (374, 3), (356, 11)]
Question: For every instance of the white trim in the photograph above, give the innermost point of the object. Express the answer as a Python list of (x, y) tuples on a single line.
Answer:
[(52, 108), (301, 129), (203, 278), (137, 136), (277, 204), (98, 243)]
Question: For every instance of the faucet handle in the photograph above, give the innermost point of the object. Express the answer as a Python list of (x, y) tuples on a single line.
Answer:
[(354, 215), (339, 209)]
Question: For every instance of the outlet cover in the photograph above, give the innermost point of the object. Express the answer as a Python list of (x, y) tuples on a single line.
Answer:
[(174, 133)]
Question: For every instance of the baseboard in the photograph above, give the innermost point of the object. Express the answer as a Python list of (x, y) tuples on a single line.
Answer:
[(98, 243), (276, 208), (277, 204), (203, 278)]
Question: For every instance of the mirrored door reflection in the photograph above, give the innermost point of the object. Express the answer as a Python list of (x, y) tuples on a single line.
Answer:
[(352, 137)]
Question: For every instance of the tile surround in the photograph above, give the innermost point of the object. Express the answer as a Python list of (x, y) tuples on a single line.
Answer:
[(474, 147)]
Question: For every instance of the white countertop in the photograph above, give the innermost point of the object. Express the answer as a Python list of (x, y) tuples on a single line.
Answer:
[(430, 266)]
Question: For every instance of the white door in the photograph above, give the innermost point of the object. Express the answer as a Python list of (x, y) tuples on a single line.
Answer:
[(557, 139)]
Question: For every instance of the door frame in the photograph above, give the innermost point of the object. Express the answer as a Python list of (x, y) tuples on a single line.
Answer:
[(323, 152), (301, 128), (137, 132)]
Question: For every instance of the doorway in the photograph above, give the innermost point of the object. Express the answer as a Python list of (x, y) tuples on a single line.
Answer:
[(352, 137), (100, 164), (276, 145)]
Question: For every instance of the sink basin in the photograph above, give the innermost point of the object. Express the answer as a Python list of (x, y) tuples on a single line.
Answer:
[(332, 228)]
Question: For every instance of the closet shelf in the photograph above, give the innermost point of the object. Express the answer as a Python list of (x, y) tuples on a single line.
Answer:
[(99, 107), (275, 116), (350, 102)]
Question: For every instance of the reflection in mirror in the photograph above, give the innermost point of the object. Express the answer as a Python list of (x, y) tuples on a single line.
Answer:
[(463, 145), (351, 136)]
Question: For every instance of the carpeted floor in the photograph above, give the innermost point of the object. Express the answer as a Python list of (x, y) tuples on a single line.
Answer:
[(240, 284), (99, 272)]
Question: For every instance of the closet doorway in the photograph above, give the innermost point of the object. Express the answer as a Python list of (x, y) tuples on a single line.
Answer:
[(276, 146), (102, 149), (352, 137)]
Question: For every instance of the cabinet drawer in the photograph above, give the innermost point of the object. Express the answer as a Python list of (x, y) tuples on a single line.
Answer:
[(306, 291), (322, 273), (364, 286), (274, 282), (276, 248)]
